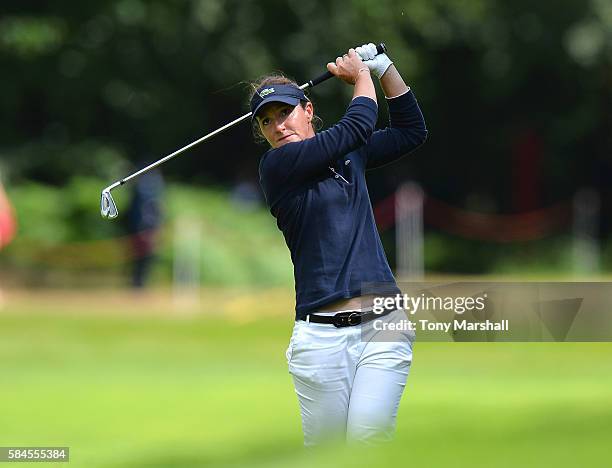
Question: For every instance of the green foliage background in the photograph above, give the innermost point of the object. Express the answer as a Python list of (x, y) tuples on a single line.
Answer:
[(96, 89), (89, 87), (61, 231), (63, 241)]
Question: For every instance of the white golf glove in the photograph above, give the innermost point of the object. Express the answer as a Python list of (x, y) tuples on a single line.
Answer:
[(377, 64)]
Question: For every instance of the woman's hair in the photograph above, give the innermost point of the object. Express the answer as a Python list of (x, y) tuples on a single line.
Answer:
[(275, 79)]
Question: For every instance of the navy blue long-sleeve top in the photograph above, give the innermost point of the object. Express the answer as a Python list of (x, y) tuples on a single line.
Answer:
[(316, 189)]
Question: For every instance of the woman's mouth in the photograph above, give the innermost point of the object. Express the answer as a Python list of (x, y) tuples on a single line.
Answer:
[(284, 137)]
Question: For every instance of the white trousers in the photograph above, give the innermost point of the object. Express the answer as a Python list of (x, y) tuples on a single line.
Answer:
[(347, 386)]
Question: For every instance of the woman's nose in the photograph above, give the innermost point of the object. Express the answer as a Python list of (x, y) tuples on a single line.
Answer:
[(279, 125)]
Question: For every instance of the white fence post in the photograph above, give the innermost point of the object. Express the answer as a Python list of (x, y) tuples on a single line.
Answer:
[(186, 262), (409, 231), (586, 249)]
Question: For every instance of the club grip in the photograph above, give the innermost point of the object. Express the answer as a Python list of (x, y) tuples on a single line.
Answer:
[(320, 79), (380, 48)]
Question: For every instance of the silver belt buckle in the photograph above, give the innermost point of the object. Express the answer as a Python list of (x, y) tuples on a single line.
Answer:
[(347, 319)]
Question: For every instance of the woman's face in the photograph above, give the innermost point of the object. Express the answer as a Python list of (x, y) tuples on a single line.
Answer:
[(281, 123)]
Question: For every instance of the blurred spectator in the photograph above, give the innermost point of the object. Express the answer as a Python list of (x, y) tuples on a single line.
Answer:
[(8, 225), (246, 195), (144, 218)]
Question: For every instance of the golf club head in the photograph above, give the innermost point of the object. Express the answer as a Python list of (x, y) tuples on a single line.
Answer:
[(108, 209)]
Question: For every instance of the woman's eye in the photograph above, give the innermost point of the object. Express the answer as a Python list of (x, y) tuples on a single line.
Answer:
[(265, 121), (285, 112)]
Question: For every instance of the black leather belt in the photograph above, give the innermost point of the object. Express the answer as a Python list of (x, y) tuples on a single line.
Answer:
[(346, 319)]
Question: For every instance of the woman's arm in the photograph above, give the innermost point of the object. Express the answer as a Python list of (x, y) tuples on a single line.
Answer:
[(406, 131), (392, 83), (293, 164), (285, 168)]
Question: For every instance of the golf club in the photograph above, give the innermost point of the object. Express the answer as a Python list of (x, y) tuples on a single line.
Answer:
[(108, 208)]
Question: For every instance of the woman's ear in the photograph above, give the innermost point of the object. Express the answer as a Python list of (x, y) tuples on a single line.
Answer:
[(309, 110)]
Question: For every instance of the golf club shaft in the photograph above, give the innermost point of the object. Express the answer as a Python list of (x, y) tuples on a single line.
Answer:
[(184, 148), (381, 48)]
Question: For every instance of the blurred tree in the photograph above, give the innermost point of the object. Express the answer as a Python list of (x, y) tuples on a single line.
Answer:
[(89, 86)]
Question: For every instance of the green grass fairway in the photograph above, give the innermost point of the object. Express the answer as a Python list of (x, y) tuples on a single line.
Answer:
[(148, 390)]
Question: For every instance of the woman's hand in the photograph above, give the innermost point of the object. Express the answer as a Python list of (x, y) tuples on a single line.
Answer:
[(348, 67), (377, 63)]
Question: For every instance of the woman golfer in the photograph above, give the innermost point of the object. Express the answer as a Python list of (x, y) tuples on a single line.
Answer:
[(315, 186)]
